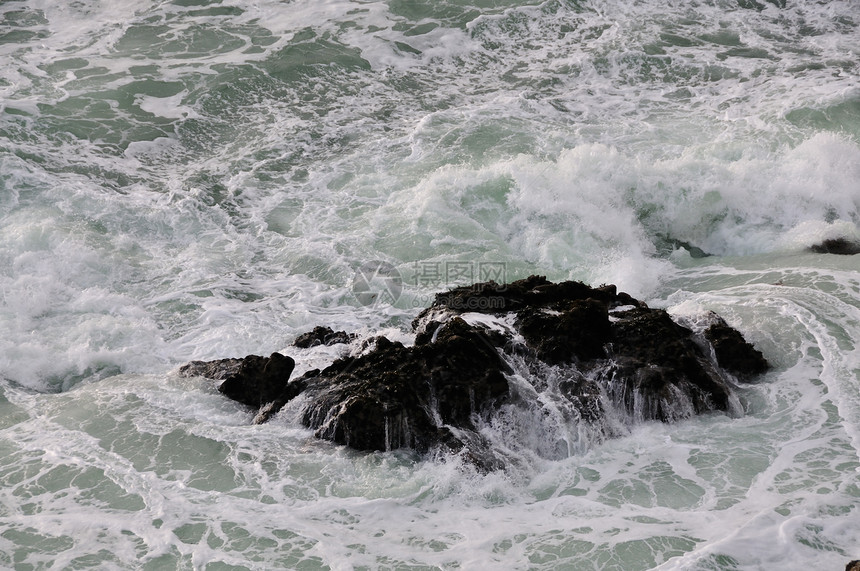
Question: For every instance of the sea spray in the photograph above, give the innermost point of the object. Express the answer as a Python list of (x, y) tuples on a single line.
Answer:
[(185, 182)]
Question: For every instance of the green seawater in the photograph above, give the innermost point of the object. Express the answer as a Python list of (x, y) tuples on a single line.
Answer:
[(189, 179)]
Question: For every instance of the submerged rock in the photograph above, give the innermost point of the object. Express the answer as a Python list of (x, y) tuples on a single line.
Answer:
[(576, 349), (666, 244), (841, 246)]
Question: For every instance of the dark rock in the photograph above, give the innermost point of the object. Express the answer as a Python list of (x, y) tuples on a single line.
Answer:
[(584, 395), (577, 330), (732, 351), (290, 391), (666, 245), (427, 332), (841, 246), (533, 291), (578, 349), (853, 565), (397, 396), (658, 371), (322, 336), (253, 381)]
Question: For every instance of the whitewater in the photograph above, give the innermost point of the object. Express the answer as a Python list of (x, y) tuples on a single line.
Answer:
[(186, 179)]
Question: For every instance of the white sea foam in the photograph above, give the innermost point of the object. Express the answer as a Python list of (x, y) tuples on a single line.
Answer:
[(177, 183)]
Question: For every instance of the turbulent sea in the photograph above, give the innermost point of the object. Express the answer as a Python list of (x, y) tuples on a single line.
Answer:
[(187, 180)]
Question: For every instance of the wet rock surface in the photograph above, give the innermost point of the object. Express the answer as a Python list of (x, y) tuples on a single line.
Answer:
[(396, 396), (732, 352), (658, 371), (841, 246), (253, 380), (322, 336), (601, 348)]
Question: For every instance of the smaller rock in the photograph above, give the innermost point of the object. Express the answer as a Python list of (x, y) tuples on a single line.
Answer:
[(253, 381), (669, 243), (322, 336), (841, 246), (733, 352)]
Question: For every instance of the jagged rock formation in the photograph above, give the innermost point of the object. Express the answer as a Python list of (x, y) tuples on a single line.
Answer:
[(603, 349)]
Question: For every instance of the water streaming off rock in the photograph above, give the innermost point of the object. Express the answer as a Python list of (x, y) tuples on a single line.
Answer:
[(198, 180)]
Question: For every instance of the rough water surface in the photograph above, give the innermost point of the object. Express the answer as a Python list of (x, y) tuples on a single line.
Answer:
[(187, 180)]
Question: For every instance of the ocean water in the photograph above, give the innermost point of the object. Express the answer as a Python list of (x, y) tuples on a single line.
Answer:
[(196, 180)]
